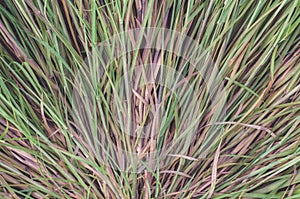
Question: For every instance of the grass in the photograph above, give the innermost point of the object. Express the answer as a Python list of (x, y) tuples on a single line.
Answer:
[(54, 146)]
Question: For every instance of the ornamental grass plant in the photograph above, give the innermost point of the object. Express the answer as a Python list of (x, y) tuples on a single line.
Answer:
[(149, 99)]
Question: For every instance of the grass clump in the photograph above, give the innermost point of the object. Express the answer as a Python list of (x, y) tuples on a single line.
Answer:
[(79, 117)]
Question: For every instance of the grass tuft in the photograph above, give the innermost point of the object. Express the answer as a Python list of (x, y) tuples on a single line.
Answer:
[(71, 129)]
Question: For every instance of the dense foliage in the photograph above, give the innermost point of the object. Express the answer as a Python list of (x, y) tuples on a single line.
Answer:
[(254, 45)]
